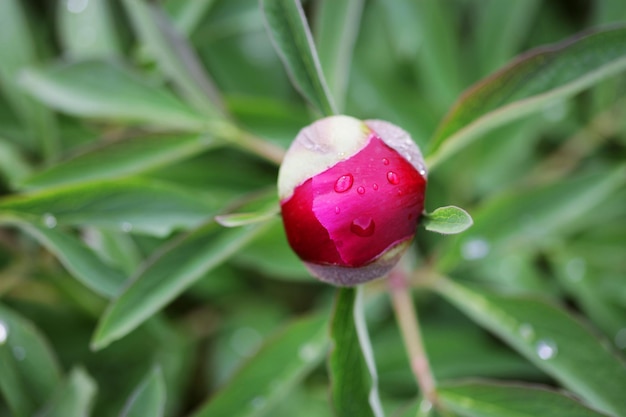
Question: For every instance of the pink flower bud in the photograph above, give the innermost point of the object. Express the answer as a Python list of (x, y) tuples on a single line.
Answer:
[(351, 195)]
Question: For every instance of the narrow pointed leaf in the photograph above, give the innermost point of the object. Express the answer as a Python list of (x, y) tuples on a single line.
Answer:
[(491, 399), (260, 384), (350, 380), (75, 256), (338, 24), (137, 205), (529, 84), (74, 398), (259, 209), (30, 371), (292, 39), (104, 90), (550, 338), (120, 159), (448, 220), (148, 399), (168, 274), (174, 55)]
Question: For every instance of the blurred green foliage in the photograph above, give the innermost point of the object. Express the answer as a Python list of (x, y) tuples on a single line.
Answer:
[(126, 126)]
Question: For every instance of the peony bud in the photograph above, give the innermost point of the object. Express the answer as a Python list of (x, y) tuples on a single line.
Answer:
[(351, 194)]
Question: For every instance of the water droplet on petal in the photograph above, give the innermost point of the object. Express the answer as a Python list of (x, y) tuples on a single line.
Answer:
[(49, 221), (393, 178), (337, 210), (360, 190), (307, 352), (19, 353), (4, 333), (546, 349), (363, 226), (344, 183), (476, 248), (385, 161), (526, 331), (375, 187), (127, 227)]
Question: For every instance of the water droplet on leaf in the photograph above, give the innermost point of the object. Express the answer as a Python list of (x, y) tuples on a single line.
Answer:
[(363, 226), (344, 183), (127, 227), (475, 249), (49, 221), (4, 333), (307, 352), (546, 349), (526, 331)]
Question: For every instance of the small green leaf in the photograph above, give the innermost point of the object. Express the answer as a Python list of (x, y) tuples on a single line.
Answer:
[(550, 338), (528, 84), (148, 399), (79, 260), (292, 39), (137, 205), (75, 397), (30, 371), (120, 159), (168, 274), (104, 90), (494, 399), (260, 384), (259, 209), (448, 220), (350, 380)]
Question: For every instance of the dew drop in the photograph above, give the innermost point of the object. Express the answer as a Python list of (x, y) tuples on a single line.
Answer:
[(526, 331), (385, 161), (4, 333), (337, 210), (307, 352), (393, 178), (363, 226), (375, 187), (620, 339), (49, 221), (344, 183), (127, 227), (19, 353), (360, 190), (546, 349), (257, 402), (476, 248)]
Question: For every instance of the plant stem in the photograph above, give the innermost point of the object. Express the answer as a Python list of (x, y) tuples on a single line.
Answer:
[(406, 315)]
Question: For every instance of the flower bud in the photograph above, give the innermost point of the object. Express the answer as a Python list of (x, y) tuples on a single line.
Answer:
[(351, 194)]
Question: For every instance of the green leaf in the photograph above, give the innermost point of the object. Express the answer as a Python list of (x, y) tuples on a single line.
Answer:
[(79, 260), (13, 166), (174, 55), (74, 398), (138, 205), (188, 15), (107, 90), (448, 220), (260, 208), (492, 399), (336, 30), (277, 368), (168, 274), (30, 371), (533, 218), (148, 399), (528, 84), (550, 338), (350, 380), (87, 30), (18, 50), (120, 159), (292, 40)]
